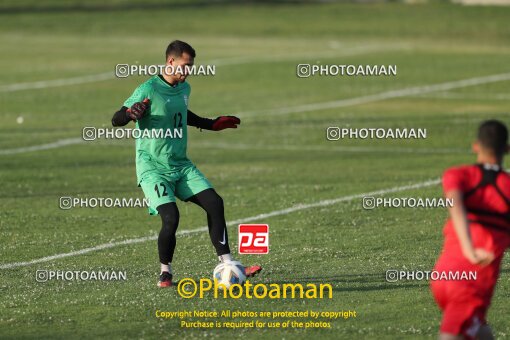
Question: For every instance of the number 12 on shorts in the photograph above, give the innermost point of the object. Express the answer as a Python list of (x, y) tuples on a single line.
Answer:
[(163, 190), (253, 239)]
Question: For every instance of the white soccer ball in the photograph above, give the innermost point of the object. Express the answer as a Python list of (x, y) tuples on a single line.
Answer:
[(229, 272)]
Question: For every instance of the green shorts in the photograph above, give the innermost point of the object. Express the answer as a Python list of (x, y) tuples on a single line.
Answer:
[(163, 187)]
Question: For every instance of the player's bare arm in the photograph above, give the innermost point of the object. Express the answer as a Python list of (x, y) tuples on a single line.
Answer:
[(461, 225)]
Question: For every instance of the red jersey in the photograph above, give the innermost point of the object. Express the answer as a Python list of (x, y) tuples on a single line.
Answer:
[(487, 201), (486, 198)]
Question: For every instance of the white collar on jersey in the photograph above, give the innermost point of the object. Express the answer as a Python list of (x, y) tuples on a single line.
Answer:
[(493, 167)]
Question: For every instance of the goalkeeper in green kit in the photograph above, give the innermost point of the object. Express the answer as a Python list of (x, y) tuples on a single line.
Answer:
[(162, 168)]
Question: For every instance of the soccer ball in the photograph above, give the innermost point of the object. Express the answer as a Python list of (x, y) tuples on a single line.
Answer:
[(229, 272)]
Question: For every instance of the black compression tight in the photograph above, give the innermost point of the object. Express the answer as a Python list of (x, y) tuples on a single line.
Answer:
[(166, 240), (212, 203)]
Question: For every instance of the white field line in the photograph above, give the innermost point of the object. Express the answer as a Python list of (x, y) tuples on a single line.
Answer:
[(349, 51), (331, 148), (238, 146), (466, 96), (53, 145), (410, 91), (259, 217), (43, 84), (418, 90)]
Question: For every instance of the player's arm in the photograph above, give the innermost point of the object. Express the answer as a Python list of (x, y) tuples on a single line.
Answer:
[(460, 221), (220, 123), (135, 112), (121, 117)]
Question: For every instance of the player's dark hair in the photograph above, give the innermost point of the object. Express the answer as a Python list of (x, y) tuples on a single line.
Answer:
[(493, 135), (176, 48)]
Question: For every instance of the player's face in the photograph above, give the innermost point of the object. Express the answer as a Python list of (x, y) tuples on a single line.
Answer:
[(179, 65)]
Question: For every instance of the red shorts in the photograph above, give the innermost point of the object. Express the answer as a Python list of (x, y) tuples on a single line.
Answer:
[(464, 310)]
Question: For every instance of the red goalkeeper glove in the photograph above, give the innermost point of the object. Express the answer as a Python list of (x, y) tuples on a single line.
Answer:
[(225, 122), (138, 110)]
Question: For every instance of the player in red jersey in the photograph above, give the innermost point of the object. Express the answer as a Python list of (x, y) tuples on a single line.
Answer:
[(476, 236)]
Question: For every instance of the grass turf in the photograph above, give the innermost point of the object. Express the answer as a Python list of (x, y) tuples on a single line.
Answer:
[(271, 163)]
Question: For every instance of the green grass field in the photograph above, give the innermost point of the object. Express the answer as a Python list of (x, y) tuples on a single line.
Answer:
[(276, 160)]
